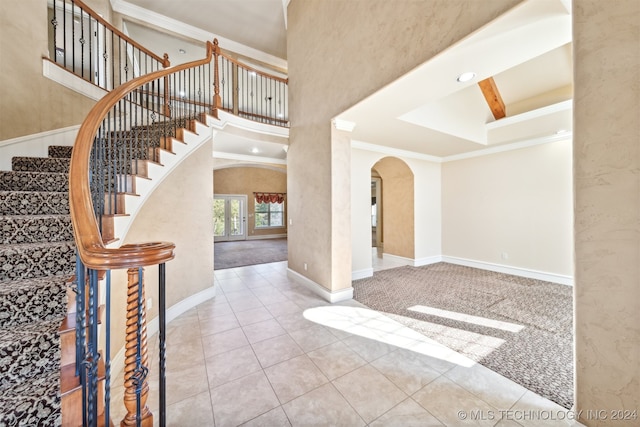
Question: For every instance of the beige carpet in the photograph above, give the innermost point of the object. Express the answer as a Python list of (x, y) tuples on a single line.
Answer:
[(248, 252), (518, 327)]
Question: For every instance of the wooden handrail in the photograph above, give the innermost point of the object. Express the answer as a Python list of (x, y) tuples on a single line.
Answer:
[(164, 60), (91, 248), (255, 70)]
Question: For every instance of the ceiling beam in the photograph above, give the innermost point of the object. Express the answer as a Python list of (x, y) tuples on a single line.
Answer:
[(493, 98)]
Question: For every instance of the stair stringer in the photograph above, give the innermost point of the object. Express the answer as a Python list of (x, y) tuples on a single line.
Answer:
[(157, 172)]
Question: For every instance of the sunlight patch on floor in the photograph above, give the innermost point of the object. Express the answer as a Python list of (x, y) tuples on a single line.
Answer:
[(467, 318), (376, 326)]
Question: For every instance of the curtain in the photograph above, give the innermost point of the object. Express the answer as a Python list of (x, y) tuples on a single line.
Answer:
[(269, 197)]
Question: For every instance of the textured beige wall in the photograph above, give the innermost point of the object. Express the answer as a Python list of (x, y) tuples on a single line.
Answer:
[(31, 103), (338, 53), (397, 207), (247, 180), (178, 211), (607, 207), (516, 202)]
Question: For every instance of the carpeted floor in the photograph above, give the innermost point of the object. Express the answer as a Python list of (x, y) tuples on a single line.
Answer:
[(248, 252), (532, 342)]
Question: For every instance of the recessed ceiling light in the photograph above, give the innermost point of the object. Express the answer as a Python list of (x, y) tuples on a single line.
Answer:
[(182, 51), (465, 77), (254, 150)]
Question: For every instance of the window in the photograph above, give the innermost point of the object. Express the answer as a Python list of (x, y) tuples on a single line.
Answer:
[(269, 215)]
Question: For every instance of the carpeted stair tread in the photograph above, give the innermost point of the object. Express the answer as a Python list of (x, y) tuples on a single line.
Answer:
[(60, 151), (34, 203), (29, 351), (30, 260), (17, 229), (40, 164), (33, 402), (32, 300), (33, 181)]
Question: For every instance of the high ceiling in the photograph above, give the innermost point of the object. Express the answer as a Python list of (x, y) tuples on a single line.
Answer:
[(527, 52)]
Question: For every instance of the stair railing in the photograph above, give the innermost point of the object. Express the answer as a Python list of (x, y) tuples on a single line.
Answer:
[(248, 92), (84, 43), (122, 134)]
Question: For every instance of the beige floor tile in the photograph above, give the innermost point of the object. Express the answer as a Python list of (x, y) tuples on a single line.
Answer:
[(322, 407), (242, 400), (367, 348), (493, 388), (273, 297), (217, 324), (208, 311), (232, 285), (369, 392), (244, 304), (231, 365), (194, 411), (295, 321), (313, 338), (283, 308), (238, 295), (508, 423), (406, 369), (184, 355), (253, 316), (532, 410), (274, 418), (276, 350), (223, 342), (294, 377), (224, 274), (336, 359), (407, 414), (455, 406), (263, 330)]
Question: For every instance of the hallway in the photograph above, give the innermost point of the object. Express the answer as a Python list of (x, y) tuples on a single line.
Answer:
[(268, 352)]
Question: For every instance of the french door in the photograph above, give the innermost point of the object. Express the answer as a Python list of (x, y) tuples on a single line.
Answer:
[(229, 217)]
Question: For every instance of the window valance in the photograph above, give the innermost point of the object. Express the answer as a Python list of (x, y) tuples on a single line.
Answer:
[(269, 197)]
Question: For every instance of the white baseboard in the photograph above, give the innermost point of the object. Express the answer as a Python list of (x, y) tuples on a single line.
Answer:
[(427, 260), (361, 274), (268, 236), (516, 271), (117, 362), (337, 296), (398, 258)]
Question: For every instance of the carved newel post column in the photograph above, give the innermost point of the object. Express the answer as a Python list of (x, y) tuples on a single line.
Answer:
[(136, 368)]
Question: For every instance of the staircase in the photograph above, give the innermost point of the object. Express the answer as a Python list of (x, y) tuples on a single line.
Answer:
[(37, 261)]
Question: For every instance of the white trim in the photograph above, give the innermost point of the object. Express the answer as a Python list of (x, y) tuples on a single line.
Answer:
[(71, 81), (400, 259), (162, 21), (528, 115), (361, 145), (337, 296), (470, 154), (250, 165), (227, 119), (268, 236), (427, 260), (117, 362), (361, 274), (516, 271), (509, 147), (35, 136), (247, 158), (345, 125)]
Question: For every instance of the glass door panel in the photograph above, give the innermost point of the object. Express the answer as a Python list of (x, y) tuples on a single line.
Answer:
[(229, 217)]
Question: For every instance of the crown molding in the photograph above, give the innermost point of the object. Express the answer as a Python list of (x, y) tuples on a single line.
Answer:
[(361, 145)]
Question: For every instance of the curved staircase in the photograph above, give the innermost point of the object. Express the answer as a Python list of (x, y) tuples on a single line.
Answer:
[(37, 261)]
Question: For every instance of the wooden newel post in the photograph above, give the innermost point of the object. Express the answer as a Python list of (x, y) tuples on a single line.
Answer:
[(136, 333), (217, 100)]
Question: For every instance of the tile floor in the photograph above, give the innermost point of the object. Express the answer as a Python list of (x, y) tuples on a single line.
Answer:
[(268, 352)]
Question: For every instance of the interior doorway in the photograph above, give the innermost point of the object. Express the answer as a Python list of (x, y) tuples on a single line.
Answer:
[(376, 210), (229, 217)]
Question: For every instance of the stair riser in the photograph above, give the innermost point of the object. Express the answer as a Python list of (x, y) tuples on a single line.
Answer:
[(21, 305), (60, 151), (18, 263), (17, 230), (34, 203), (33, 181), (40, 164)]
